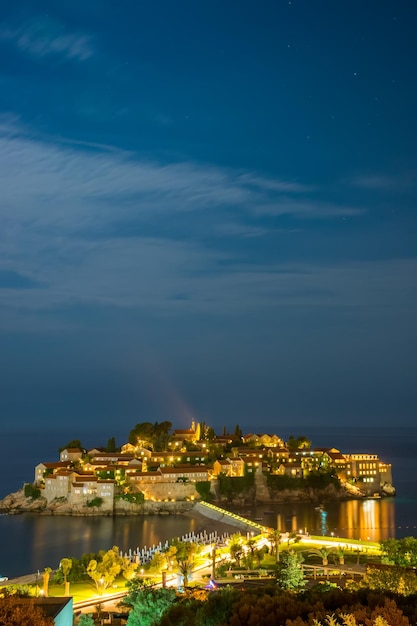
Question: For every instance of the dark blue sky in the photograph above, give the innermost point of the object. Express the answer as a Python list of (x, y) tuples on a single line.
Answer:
[(208, 210)]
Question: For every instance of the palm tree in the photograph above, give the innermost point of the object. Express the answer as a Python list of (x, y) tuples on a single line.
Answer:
[(274, 537), (66, 565), (236, 548), (187, 559), (340, 552), (251, 545), (295, 537), (323, 553), (45, 580)]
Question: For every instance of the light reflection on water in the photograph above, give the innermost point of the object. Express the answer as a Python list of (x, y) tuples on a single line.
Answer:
[(30, 542), (374, 518)]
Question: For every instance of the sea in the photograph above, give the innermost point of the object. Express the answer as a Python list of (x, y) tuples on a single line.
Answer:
[(29, 542)]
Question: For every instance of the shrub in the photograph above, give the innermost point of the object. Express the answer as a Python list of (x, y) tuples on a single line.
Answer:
[(203, 490), (135, 498), (32, 492), (95, 502)]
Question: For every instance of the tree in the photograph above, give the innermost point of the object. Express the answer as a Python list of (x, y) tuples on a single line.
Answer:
[(104, 570), (274, 538), (186, 557), (323, 553), (18, 612), (294, 537), (298, 443), (236, 548), (203, 489), (340, 553), (161, 435), (74, 443), (391, 578), (155, 435), (250, 544), (238, 431), (65, 566), (141, 434), (45, 580), (150, 605), (158, 563), (400, 551), (290, 573), (111, 445)]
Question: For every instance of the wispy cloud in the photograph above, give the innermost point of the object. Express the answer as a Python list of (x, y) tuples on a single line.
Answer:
[(378, 182), (307, 209), (43, 36), (95, 185), (60, 202)]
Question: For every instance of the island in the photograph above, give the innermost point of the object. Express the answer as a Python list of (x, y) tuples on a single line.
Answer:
[(163, 471)]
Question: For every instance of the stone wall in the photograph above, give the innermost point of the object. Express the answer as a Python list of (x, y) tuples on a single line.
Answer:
[(169, 491)]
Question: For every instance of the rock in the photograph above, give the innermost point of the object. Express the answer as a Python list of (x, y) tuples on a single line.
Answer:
[(18, 503), (387, 489)]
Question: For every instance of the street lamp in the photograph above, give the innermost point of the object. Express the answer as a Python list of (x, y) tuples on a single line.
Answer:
[(213, 561)]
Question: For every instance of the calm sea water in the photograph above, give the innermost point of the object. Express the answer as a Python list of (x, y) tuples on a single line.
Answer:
[(30, 542)]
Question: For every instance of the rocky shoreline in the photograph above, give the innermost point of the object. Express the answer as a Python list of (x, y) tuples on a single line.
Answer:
[(17, 503)]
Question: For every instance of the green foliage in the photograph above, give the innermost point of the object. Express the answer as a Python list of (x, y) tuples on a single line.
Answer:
[(150, 605), (314, 479), (86, 620), (236, 548), (321, 479), (134, 586), (274, 538), (155, 436), (231, 486), (322, 553), (199, 608), (391, 578), (272, 605), (157, 564), (290, 574), (104, 569), (401, 552), (106, 474), (218, 607), (95, 502), (279, 483), (186, 554), (238, 432), (19, 591), (135, 498), (298, 443), (74, 443), (65, 566), (32, 492), (203, 490), (111, 445)]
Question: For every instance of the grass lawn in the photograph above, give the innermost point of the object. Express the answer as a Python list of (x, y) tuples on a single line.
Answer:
[(85, 590)]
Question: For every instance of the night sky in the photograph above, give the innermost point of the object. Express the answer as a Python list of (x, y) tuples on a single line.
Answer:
[(208, 210)]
